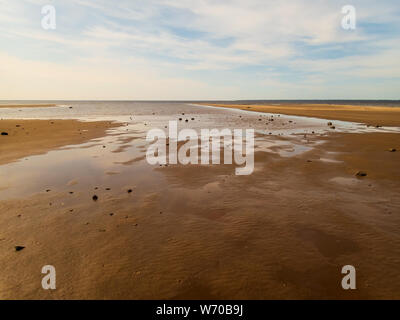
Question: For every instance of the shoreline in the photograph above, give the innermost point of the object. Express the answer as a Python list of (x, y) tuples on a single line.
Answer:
[(372, 116), (49, 105)]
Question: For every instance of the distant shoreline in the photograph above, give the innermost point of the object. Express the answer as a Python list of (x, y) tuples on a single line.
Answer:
[(369, 115), (27, 105)]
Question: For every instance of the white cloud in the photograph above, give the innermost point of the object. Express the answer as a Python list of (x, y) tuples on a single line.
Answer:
[(173, 44)]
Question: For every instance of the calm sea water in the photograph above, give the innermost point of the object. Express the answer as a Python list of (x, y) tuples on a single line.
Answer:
[(387, 103)]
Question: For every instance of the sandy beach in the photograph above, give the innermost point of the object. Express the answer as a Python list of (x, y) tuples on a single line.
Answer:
[(201, 232), (20, 106), (29, 137), (370, 115)]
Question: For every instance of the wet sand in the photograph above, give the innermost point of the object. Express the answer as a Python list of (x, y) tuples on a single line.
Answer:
[(30, 137), (371, 115), (200, 232)]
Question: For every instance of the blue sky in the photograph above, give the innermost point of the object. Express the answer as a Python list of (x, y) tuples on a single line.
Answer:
[(199, 49)]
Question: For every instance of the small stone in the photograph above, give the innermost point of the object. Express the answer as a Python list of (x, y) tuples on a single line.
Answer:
[(129, 190), (361, 174), (330, 123), (111, 214), (392, 150), (4, 134), (19, 248), (95, 198)]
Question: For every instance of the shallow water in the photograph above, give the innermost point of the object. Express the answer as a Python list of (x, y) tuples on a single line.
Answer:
[(125, 147)]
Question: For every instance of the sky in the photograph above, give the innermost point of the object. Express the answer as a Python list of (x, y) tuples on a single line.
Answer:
[(199, 50)]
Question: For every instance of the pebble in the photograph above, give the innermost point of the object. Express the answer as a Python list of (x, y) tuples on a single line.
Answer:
[(19, 248), (361, 174), (95, 198)]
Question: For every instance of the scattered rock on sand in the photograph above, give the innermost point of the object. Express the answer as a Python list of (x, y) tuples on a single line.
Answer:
[(361, 174), (4, 134), (330, 123), (95, 198), (129, 190), (392, 150), (19, 248)]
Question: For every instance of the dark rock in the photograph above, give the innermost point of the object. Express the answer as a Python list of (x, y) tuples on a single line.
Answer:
[(19, 248), (95, 198), (329, 124), (4, 134), (392, 150), (111, 214), (129, 190), (361, 174)]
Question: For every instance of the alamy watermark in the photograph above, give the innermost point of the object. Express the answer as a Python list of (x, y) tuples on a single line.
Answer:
[(349, 280), (349, 21), (197, 150), (49, 280), (49, 19)]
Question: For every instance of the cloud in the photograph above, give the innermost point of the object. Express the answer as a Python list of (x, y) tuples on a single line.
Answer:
[(213, 49)]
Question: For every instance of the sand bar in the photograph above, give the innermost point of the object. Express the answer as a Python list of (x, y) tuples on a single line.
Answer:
[(370, 115), (30, 137), (46, 105)]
